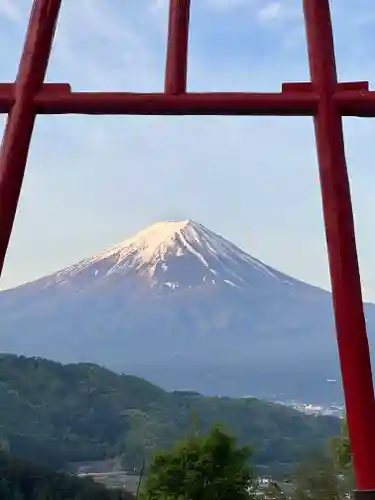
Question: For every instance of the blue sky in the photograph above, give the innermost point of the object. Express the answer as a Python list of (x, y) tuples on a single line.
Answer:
[(92, 182)]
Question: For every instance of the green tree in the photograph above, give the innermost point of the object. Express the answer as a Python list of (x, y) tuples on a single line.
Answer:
[(341, 453), (20, 480), (329, 476), (341, 450), (316, 479), (202, 467)]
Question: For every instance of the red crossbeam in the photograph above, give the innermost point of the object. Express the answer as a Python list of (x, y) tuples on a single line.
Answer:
[(296, 99), (323, 98)]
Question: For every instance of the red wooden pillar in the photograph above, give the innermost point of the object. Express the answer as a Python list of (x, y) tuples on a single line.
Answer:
[(177, 47), (20, 123), (319, 98), (346, 286)]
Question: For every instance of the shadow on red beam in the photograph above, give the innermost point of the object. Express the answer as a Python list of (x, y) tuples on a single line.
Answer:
[(57, 88), (6, 97), (309, 87), (7, 93), (354, 103), (288, 103)]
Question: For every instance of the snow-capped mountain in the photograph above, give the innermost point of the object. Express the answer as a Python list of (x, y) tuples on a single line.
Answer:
[(174, 254), (184, 307)]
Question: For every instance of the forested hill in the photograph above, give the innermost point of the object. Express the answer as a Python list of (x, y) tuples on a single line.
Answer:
[(59, 414), (20, 480)]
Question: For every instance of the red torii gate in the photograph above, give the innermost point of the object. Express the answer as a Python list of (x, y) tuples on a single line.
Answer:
[(323, 98)]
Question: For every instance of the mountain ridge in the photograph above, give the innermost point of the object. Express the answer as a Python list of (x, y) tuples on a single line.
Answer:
[(165, 240), (185, 308), (60, 414)]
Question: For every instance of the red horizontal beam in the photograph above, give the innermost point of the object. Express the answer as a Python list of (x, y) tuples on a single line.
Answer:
[(352, 103), (6, 97), (297, 87), (363, 86), (309, 87), (57, 88), (7, 93), (296, 99), (121, 103)]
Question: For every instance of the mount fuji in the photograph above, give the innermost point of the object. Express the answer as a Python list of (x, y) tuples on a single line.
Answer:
[(187, 309)]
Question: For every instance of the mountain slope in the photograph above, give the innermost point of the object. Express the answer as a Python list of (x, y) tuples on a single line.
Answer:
[(174, 297), (23, 480), (80, 412)]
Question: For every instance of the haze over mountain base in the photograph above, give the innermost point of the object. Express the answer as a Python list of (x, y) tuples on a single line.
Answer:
[(187, 309), (64, 415)]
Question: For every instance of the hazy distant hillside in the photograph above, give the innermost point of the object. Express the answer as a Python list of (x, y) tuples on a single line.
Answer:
[(58, 414), (177, 296)]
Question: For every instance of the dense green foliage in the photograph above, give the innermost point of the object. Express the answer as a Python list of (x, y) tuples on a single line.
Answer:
[(21, 480), (212, 467), (72, 413), (326, 476), (316, 478), (204, 467), (340, 450)]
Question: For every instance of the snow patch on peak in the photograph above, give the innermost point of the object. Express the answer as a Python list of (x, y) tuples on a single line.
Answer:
[(155, 253), (153, 239)]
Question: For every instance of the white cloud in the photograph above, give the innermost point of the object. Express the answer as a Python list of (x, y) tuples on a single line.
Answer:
[(9, 10), (270, 11)]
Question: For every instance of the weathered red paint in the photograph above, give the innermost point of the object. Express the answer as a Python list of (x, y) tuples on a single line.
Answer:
[(20, 123), (323, 97)]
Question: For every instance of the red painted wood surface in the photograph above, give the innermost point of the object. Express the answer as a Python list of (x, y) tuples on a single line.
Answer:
[(298, 99), (21, 118), (177, 47), (287, 103), (323, 98), (343, 263)]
